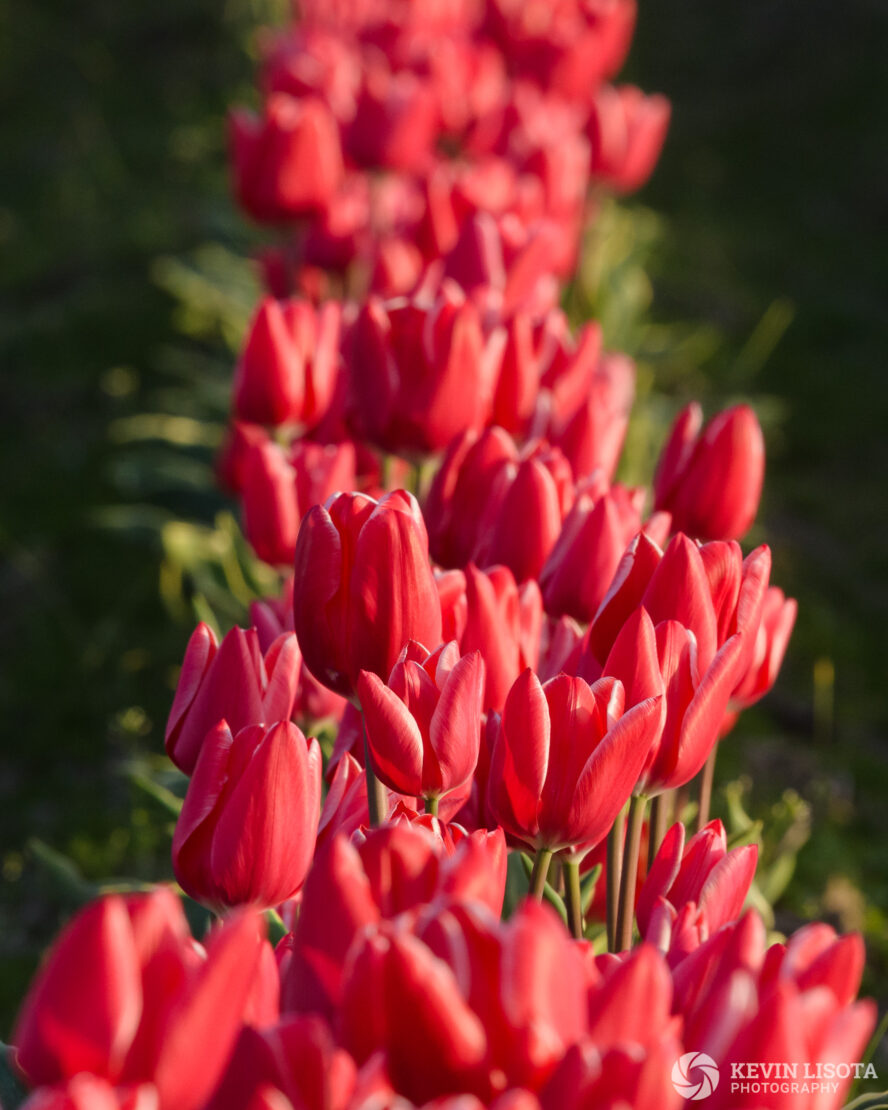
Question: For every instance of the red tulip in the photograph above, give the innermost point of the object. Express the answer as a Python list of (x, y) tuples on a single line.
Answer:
[(711, 481), (288, 161), (567, 759), (535, 496), (424, 726), (396, 120), (394, 869), (592, 434), (278, 490), (127, 997), (231, 680), (363, 587), (585, 557), (626, 130), (421, 372), (231, 846), (288, 369), (298, 1060), (778, 618), (85, 1092), (503, 622), (692, 890)]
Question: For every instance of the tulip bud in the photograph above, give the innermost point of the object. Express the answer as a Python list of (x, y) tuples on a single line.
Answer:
[(585, 557), (230, 848), (424, 727), (363, 587), (288, 161), (711, 481), (626, 130), (231, 681), (592, 435), (421, 373)]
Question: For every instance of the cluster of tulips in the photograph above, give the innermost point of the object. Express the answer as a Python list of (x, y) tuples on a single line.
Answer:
[(515, 670)]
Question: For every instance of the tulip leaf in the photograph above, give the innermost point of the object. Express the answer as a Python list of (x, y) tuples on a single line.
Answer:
[(875, 1101), (12, 1093), (277, 930), (587, 887), (64, 873), (165, 798)]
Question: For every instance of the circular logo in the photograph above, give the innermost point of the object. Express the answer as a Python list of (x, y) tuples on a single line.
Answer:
[(695, 1075)]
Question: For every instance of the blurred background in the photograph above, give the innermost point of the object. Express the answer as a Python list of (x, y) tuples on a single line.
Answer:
[(752, 266)]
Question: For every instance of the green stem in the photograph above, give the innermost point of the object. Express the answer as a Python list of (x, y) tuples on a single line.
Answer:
[(540, 871), (657, 825), (626, 912), (707, 776), (377, 799), (573, 897), (614, 867), (431, 806)]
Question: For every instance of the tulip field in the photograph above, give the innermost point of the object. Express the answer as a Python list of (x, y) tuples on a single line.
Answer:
[(444, 685)]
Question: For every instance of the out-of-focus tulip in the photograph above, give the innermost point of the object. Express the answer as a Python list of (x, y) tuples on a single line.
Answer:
[(394, 869), (288, 369), (626, 131), (85, 1092), (396, 120), (298, 1059), (279, 489), (693, 889), (592, 436), (421, 372), (363, 587), (583, 561), (778, 618), (567, 759), (125, 997), (424, 725), (711, 479), (231, 680), (231, 846), (534, 498), (288, 161)]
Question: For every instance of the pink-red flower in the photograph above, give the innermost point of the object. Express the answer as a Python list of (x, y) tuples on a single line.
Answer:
[(246, 833), (567, 759), (363, 587), (424, 724), (234, 681), (127, 997), (710, 478)]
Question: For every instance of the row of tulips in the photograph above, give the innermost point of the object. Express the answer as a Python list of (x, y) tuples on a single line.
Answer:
[(511, 672)]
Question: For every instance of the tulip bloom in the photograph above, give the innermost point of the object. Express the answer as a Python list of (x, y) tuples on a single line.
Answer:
[(582, 564), (421, 372), (288, 161), (711, 480), (591, 434), (288, 369), (504, 622), (124, 997), (424, 726), (363, 587), (356, 884), (626, 130), (279, 488), (567, 759), (232, 680), (231, 846), (692, 889)]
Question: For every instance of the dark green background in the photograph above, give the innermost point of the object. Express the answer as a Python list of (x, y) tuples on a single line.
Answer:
[(771, 191)]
